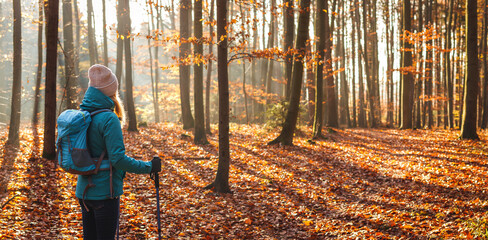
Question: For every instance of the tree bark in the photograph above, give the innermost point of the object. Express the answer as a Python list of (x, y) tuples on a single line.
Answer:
[(184, 70), (447, 62), (92, 42), (484, 99), (269, 71), (362, 113), (468, 128), (289, 126), (69, 69), (289, 32), (121, 11), (221, 182), (321, 20), (105, 44), (368, 68), (76, 57), (52, 10), (129, 98), (332, 107), (208, 129), (199, 130), (353, 60), (13, 132), (37, 94), (407, 75)]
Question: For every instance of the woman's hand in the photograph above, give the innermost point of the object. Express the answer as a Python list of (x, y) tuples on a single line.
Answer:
[(156, 165)]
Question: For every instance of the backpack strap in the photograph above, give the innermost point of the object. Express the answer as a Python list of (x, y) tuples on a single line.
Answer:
[(90, 184)]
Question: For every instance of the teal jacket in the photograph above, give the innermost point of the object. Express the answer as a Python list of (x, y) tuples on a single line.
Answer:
[(105, 133)]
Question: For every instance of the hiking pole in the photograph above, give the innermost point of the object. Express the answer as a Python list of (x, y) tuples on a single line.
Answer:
[(155, 177)]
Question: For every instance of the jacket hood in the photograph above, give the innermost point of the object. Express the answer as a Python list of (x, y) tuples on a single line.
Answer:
[(94, 99)]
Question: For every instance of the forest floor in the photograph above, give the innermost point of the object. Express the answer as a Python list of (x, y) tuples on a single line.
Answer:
[(355, 184)]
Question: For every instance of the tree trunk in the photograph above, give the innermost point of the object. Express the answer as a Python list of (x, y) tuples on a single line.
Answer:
[(221, 182), (468, 128), (76, 57), (199, 130), (120, 40), (37, 94), (447, 62), (13, 132), (353, 60), (92, 42), (289, 126), (289, 32), (362, 113), (428, 72), (389, 80), (69, 69), (105, 44), (321, 19), (129, 98), (332, 107), (185, 48), (407, 75), (484, 99), (209, 71), (368, 67), (269, 72), (345, 113), (52, 13)]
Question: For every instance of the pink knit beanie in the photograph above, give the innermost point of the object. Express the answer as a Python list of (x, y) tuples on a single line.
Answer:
[(103, 79)]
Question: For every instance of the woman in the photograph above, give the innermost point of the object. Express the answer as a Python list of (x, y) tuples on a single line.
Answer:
[(100, 201)]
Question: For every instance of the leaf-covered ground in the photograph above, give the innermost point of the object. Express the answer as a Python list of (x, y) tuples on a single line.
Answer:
[(356, 184)]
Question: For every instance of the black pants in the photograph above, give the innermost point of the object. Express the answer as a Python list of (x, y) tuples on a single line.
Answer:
[(102, 220)]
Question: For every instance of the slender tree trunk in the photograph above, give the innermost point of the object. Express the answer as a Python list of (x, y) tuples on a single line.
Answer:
[(368, 67), (199, 130), (105, 44), (221, 182), (129, 98), (289, 126), (407, 75), (52, 14), (185, 48), (321, 19), (120, 40), (76, 57), (429, 73), (344, 86), (468, 128), (92, 43), (69, 69), (243, 28), (209, 71), (376, 65), (420, 71), (289, 32), (389, 80), (271, 38), (154, 89), (353, 60), (254, 85), (447, 62), (13, 133), (362, 113), (37, 94), (332, 107), (157, 76)]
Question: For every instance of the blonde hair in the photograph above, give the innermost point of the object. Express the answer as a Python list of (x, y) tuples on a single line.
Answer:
[(119, 108)]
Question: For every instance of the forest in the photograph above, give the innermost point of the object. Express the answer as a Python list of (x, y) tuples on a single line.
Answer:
[(300, 119)]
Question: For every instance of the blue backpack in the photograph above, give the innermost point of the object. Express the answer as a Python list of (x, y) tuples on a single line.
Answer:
[(73, 155)]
